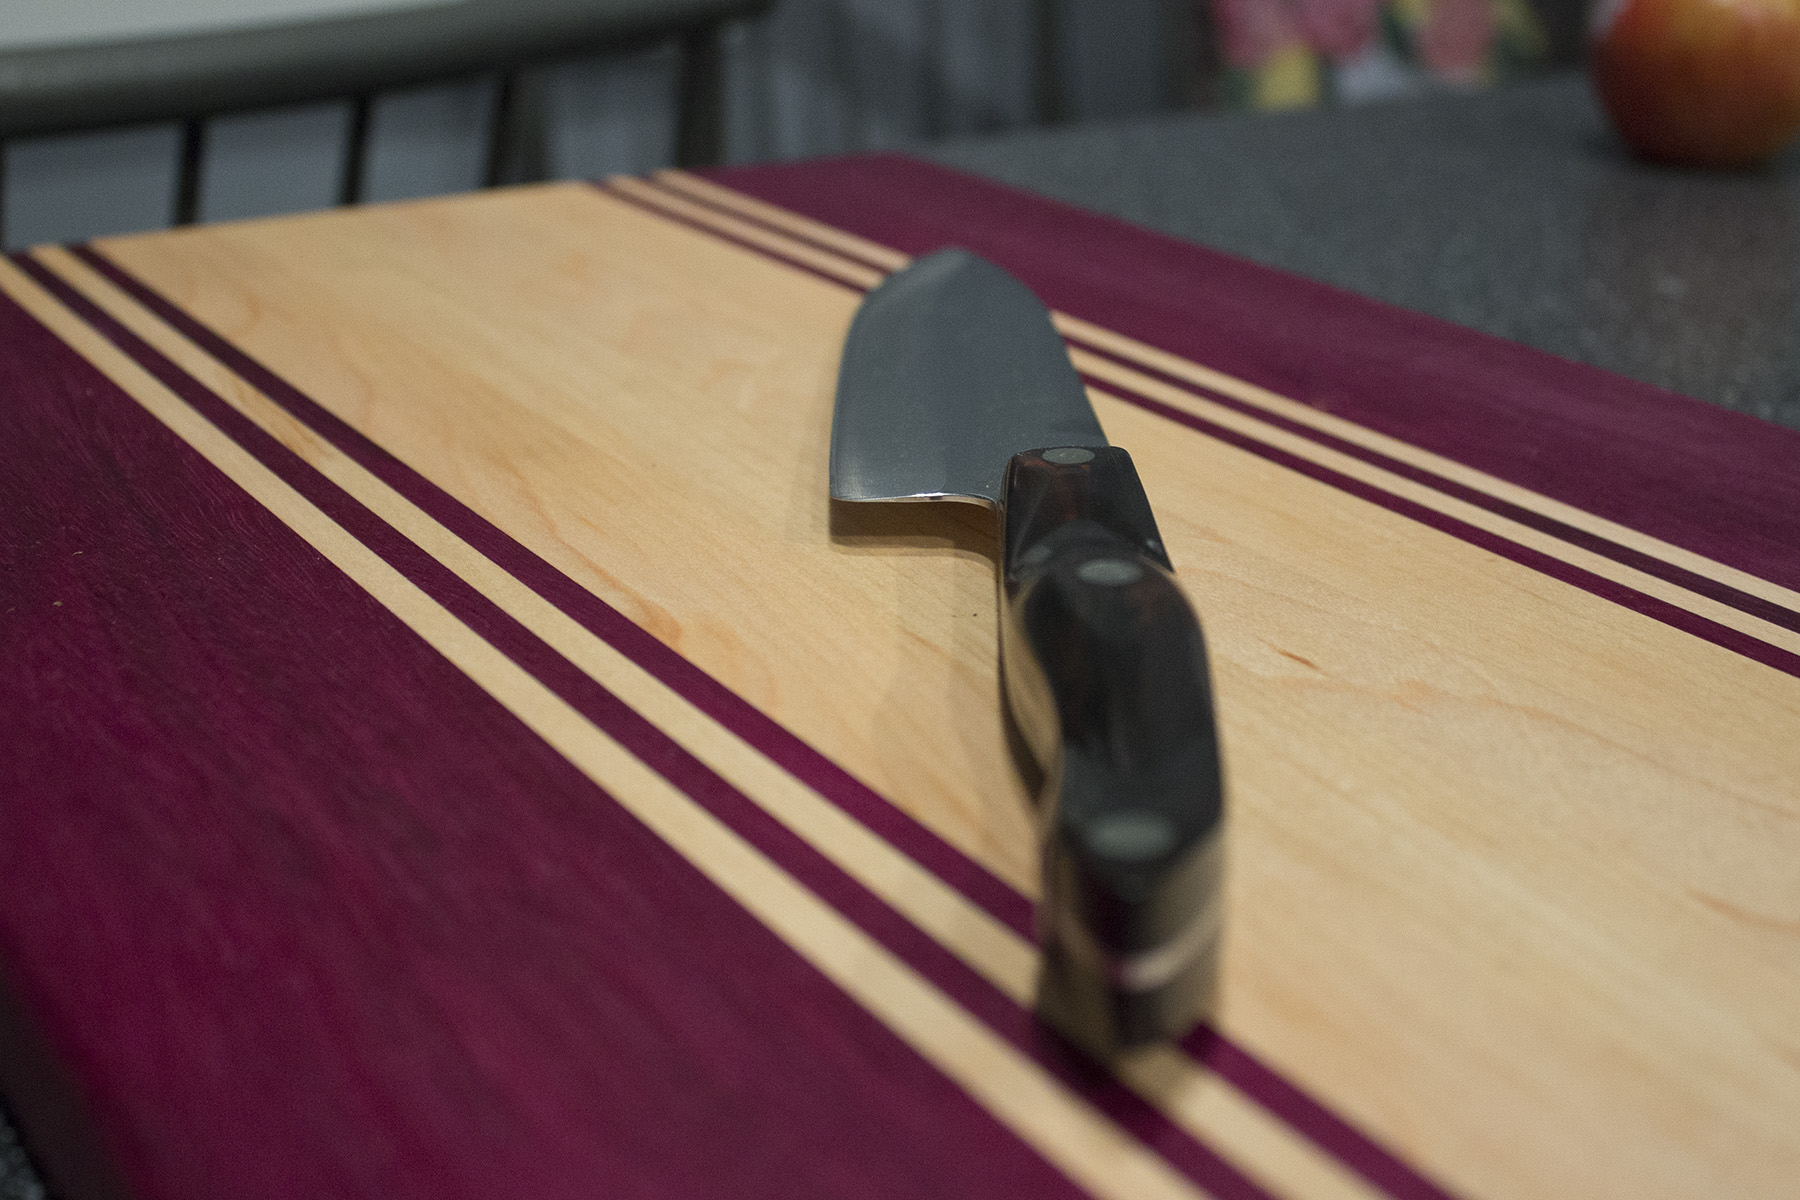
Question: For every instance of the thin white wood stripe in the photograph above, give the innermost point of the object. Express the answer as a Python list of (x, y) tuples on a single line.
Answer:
[(1576, 518), (815, 231), (1195, 1099), (1303, 447), (1062, 1127), (854, 273), (1123, 346), (1450, 506)]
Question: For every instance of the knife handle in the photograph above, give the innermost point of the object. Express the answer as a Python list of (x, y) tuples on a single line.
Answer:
[(1105, 673)]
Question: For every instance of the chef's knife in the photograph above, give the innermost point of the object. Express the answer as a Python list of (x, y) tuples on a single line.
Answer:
[(956, 386)]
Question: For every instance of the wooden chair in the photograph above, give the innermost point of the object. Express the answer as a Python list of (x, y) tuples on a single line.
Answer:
[(190, 78)]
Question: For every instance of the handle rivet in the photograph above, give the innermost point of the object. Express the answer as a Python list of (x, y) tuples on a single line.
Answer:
[(1131, 835), (1109, 572), (1068, 456)]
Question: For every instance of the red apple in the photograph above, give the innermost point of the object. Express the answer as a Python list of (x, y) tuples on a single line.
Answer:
[(1703, 82)]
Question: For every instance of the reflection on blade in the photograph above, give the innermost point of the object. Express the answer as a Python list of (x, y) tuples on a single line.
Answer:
[(951, 367)]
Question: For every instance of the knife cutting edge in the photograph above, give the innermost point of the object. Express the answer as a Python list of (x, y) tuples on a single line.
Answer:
[(956, 386)]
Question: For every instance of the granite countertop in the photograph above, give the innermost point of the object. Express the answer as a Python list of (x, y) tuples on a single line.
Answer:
[(1515, 212)]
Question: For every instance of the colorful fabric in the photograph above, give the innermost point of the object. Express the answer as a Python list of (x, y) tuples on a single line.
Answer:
[(1290, 53)]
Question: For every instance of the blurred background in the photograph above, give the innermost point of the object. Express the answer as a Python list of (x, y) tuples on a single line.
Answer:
[(804, 77)]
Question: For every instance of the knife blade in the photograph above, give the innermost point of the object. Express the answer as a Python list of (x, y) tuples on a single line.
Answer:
[(955, 385)]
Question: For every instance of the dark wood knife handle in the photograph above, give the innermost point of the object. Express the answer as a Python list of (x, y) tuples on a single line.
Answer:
[(1106, 676)]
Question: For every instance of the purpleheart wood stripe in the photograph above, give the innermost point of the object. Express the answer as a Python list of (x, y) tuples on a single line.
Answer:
[(702, 690), (654, 747), (1714, 482), (770, 738), (1732, 597), (719, 234), (1735, 640), (1661, 610), (1700, 585), (1257, 1080), (302, 911), (860, 257), (1208, 1045), (1330, 1132)]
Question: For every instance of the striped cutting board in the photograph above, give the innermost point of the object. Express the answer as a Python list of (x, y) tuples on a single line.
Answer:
[(450, 746)]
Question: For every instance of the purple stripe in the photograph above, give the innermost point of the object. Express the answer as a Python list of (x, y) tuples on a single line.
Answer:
[(303, 911), (1649, 606), (1718, 483), (643, 205), (699, 688), (1699, 584), (703, 691), (1325, 1128), (856, 256), (1702, 585), (656, 749), (1255, 1079), (1723, 593)]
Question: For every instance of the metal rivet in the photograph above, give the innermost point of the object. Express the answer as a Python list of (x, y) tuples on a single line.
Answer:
[(1109, 572), (1131, 835), (1068, 456)]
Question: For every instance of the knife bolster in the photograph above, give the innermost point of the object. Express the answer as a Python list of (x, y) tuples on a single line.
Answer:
[(1105, 672)]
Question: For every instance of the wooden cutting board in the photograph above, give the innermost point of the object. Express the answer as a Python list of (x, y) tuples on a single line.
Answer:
[(451, 745)]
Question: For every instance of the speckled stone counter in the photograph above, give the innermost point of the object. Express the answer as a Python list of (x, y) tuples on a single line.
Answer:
[(1514, 212)]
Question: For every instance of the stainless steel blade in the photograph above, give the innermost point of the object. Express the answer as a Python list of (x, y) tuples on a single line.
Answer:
[(950, 368)]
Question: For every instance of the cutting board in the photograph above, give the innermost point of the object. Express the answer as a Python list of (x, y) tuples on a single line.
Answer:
[(452, 746)]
